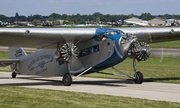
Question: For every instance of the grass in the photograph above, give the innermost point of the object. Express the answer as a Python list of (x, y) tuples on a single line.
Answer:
[(167, 71), (15, 97), (169, 44)]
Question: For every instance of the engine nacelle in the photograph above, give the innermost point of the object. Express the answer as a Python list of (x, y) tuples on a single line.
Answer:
[(133, 48)]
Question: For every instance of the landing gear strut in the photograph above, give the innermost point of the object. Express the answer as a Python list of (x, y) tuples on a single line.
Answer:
[(137, 75), (139, 78), (67, 79)]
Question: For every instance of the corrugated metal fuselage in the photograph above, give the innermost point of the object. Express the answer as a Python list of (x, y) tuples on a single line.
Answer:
[(96, 54)]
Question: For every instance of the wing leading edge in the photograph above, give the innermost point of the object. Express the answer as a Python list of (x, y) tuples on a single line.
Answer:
[(43, 37), (151, 34)]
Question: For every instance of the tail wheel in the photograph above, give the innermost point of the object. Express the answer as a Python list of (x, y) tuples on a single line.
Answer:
[(13, 75), (139, 78), (67, 80)]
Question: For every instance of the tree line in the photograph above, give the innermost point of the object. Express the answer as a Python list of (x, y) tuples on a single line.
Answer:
[(82, 19)]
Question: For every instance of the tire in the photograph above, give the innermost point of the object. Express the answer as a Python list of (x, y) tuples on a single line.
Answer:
[(13, 75), (139, 79), (67, 80)]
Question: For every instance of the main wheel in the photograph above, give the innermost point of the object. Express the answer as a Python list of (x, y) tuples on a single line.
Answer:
[(13, 75), (67, 79), (139, 78)]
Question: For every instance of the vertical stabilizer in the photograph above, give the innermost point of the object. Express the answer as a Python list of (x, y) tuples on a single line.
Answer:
[(16, 52)]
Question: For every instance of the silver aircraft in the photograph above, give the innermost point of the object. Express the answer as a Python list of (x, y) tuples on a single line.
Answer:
[(71, 52)]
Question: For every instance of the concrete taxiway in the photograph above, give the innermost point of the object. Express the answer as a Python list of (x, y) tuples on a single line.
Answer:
[(147, 90)]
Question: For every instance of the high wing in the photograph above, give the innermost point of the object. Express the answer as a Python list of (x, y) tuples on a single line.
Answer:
[(49, 37), (7, 62), (43, 37), (152, 34)]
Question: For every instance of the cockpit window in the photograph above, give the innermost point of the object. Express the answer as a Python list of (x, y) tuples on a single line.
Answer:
[(122, 33), (112, 33), (99, 37)]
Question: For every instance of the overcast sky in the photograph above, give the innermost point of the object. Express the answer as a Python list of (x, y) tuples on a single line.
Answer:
[(46, 7)]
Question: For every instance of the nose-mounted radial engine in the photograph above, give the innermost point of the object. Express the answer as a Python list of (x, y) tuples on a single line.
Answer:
[(68, 52)]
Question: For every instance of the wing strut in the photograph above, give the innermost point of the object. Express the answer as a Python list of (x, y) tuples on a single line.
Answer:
[(125, 74), (82, 73), (138, 76)]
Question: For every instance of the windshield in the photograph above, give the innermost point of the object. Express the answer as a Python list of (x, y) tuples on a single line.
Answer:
[(107, 33), (112, 33)]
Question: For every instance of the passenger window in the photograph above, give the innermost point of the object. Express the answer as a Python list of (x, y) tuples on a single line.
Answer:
[(88, 51), (85, 52), (80, 53), (94, 48)]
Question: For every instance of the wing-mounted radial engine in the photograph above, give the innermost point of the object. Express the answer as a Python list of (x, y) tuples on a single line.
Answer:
[(133, 48), (68, 52)]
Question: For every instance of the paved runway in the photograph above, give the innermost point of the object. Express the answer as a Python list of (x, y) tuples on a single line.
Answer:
[(165, 52), (147, 90)]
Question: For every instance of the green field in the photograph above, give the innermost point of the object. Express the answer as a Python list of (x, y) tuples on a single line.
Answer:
[(170, 44), (20, 97)]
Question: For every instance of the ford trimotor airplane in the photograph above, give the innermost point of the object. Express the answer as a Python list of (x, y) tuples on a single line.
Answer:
[(76, 51)]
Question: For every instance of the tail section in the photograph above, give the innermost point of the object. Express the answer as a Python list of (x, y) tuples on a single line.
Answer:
[(16, 52)]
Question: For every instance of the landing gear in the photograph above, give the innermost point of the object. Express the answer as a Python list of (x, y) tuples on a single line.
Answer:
[(13, 75), (137, 75), (139, 78), (67, 79)]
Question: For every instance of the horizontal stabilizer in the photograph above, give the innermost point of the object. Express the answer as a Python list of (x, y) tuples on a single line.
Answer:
[(7, 62)]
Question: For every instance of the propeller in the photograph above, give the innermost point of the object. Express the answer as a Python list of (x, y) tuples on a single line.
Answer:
[(69, 52), (140, 51)]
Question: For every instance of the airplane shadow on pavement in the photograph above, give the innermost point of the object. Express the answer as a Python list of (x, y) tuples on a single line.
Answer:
[(58, 82), (156, 79)]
